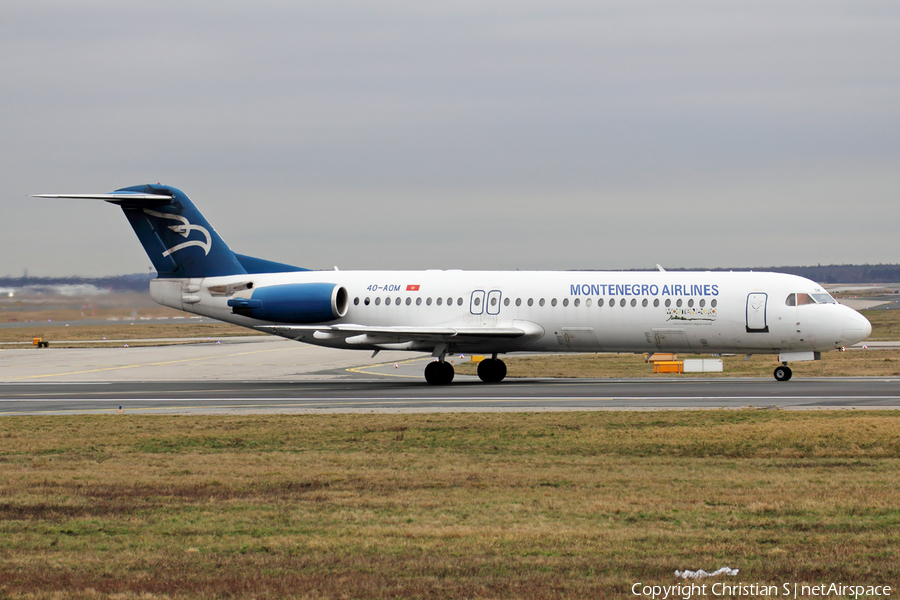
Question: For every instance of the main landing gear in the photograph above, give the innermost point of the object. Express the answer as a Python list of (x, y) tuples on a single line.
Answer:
[(783, 373), (490, 370), (439, 373)]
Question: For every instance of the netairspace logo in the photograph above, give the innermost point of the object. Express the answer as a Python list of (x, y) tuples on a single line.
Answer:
[(785, 590)]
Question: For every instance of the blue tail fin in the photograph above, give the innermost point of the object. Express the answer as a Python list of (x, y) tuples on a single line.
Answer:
[(177, 238)]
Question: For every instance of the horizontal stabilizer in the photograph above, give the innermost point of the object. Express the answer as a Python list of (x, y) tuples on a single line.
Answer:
[(115, 197), (179, 240)]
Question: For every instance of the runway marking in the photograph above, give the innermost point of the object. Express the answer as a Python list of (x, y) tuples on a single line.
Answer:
[(444, 399), (44, 397), (311, 402), (409, 360), (154, 364), (74, 372), (327, 403)]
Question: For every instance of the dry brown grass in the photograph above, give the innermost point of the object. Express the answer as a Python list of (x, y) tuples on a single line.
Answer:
[(563, 505), (58, 336), (885, 324), (24, 308), (47, 313)]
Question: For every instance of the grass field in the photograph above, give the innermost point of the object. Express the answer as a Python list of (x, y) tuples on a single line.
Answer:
[(885, 324), (58, 336), (554, 505)]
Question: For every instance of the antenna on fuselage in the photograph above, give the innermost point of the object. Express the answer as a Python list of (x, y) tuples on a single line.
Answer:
[(659, 266)]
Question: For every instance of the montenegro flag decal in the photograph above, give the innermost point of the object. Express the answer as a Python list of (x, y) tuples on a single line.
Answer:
[(412, 288)]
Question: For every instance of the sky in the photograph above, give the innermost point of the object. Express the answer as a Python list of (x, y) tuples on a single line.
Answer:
[(475, 135)]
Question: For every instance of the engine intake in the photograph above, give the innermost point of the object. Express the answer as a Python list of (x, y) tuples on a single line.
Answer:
[(294, 303)]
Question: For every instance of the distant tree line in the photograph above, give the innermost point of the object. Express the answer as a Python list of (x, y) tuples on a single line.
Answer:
[(832, 273), (137, 282)]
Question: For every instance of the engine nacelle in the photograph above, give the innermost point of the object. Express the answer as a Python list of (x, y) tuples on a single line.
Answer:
[(294, 303)]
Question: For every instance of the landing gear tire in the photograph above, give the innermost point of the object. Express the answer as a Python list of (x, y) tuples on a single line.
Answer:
[(783, 373), (439, 373), (491, 370)]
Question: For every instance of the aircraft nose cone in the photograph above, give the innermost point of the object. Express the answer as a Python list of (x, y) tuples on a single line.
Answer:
[(856, 328)]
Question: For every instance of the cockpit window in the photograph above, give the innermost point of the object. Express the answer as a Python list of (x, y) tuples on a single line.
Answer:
[(823, 298), (800, 298)]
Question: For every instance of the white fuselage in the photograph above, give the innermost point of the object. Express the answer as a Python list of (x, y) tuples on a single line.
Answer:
[(562, 311)]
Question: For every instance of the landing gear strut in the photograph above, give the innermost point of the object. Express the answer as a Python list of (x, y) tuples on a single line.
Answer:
[(491, 370), (439, 373), (783, 373)]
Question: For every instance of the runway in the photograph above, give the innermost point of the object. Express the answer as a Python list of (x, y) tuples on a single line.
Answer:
[(272, 375), (398, 396)]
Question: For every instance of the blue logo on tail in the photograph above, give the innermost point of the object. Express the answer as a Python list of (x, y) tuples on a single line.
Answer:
[(184, 229)]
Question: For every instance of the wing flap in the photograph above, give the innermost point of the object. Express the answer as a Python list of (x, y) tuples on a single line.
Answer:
[(363, 334)]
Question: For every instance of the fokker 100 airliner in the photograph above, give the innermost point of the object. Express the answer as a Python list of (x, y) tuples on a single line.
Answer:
[(483, 312)]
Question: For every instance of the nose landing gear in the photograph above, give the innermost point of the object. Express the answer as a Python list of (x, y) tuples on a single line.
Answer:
[(783, 373)]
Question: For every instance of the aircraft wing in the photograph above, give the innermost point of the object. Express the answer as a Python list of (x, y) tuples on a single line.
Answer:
[(365, 335)]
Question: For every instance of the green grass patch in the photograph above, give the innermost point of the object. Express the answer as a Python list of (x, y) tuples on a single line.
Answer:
[(551, 505)]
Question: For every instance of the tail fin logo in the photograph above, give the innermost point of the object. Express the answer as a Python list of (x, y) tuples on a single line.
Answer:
[(183, 228)]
